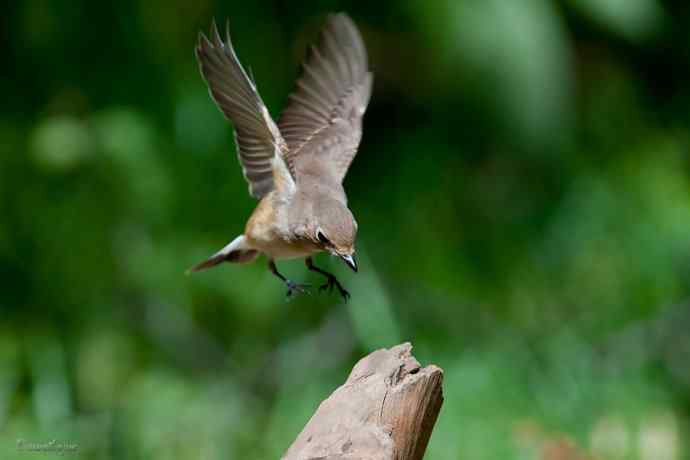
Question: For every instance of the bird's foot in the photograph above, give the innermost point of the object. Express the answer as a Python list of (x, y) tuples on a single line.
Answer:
[(296, 288), (333, 282)]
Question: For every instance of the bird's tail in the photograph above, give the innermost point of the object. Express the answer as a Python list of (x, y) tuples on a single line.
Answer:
[(236, 252)]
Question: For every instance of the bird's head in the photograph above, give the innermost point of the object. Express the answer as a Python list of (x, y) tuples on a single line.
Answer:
[(335, 230)]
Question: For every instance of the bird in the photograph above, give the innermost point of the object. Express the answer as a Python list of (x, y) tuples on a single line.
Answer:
[(295, 168)]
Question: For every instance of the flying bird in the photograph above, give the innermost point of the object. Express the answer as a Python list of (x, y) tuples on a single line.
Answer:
[(295, 169)]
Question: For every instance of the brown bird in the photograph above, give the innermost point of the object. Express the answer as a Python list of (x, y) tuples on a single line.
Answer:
[(295, 169)]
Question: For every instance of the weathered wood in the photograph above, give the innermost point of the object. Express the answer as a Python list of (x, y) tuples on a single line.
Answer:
[(386, 410)]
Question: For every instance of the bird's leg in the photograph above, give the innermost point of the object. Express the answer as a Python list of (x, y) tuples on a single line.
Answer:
[(292, 286), (332, 280)]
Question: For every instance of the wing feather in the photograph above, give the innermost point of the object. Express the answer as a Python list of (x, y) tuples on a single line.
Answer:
[(323, 119), (258, 141)]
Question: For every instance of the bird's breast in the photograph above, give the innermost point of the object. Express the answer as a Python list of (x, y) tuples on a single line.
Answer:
[(268, 231)]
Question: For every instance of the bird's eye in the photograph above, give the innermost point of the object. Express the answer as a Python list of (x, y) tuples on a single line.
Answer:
[(322, 238)]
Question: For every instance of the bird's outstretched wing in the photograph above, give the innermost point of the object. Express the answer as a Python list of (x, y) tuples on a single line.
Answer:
[(323, 120), (260, 147)]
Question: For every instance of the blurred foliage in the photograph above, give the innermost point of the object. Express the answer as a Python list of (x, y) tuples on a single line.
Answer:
[(523, 197)]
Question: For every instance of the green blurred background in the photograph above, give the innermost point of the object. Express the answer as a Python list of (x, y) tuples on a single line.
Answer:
[(523, 198)]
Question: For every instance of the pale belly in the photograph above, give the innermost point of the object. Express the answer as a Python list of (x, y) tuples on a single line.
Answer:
[(280, 249)]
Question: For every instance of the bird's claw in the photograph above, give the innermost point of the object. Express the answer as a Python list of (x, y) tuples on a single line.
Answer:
[(346, 295), (332, 282), (296, 288), (328, 285)]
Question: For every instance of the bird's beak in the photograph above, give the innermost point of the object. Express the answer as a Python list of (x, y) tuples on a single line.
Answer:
[(350, 261)]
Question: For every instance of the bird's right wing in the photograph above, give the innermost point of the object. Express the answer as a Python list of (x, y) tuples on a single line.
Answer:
[(323, 121), (260, 147)]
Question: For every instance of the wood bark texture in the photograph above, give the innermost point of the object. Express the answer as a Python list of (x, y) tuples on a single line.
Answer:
[(386, 410)]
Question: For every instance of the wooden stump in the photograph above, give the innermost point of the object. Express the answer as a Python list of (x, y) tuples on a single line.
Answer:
[(386, 410)]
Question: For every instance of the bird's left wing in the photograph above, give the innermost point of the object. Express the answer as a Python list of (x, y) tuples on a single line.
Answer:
[(260, 147), (323, 121)]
